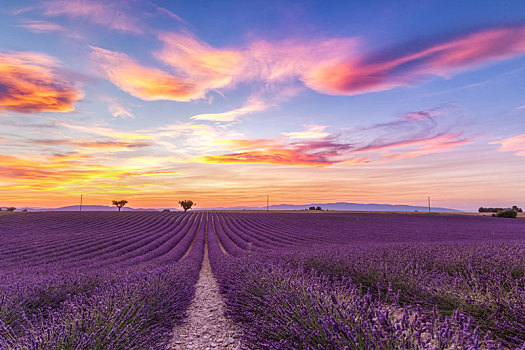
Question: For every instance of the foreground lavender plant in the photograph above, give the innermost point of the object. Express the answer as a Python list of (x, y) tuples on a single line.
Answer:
[(61, 306), (291, 281)]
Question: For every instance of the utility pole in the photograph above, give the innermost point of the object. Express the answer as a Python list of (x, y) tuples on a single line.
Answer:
[(267, 202), (81, 202), (429, 204)]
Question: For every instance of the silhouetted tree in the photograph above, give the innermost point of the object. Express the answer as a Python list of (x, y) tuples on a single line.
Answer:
[(120, 204), (187, 204), (507, 213), (318, 208), (495, 210), (311, 208), (11, 209)]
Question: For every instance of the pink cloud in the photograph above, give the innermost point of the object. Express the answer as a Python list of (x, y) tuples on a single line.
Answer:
[(110, 13), (43, 27), (330, 151), (337, 66), (264, 151), (316, 146), (516, 143), (32, 82), (368, 74)]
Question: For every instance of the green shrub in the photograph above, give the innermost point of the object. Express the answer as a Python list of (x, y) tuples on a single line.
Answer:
[(507, 214)]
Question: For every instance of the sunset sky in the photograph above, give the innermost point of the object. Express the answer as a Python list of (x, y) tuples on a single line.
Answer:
[(224, 102)]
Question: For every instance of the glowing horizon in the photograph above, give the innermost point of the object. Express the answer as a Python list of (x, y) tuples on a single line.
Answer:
[(155, 102)]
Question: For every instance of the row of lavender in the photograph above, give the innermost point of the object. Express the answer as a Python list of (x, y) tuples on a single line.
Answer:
[(96, 280), (391, 282)]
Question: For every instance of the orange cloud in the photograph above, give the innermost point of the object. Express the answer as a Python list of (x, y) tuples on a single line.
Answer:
[(264, 151), (71, 172), (143, 82), (93, 145), (332, 66), (317, 147), (32, 83), (197, 61), (516, 143), (369, 74)]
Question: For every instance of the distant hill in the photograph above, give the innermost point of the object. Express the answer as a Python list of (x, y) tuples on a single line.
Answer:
[(346, 206), (329, 206), (90, 208)]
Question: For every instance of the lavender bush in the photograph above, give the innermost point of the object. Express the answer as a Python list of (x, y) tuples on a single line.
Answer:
[(290, 280), (127, 303)]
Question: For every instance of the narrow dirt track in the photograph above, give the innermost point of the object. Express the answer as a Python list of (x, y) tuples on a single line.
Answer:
[(206, 326)]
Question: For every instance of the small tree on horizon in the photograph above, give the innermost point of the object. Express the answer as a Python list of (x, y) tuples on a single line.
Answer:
[(11, 209), (120, 204), (187, 204)]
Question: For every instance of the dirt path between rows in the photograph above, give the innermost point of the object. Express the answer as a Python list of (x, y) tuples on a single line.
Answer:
[(206, 326)]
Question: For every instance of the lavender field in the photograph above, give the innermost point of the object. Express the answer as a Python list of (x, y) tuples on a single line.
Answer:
[(109, 280)]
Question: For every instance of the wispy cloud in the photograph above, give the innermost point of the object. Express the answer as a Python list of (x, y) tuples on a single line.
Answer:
[(318, 147), (307, 153), (118, 110), (32, 82), (42, 27), (390, 69), (512, 144), (143, 82), (111, 14), (253, 105), (311, 132), (337, 66)]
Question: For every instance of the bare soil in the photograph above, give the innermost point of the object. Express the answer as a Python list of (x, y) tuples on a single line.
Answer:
[(206, 326)]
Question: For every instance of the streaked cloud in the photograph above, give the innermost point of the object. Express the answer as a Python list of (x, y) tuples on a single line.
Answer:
[(512, 144), (390, 69), (316, 146), (32, 82), (307, 153), (311, 132), (111, 14), (335, 66), (147, 83), (42, 27), (252, 105)]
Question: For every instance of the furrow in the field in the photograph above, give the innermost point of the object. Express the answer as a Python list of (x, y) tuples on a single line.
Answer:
[(85, 237), (225, 231), (98, 247), (206, 326), (216, 236), (255, 228), (200, 228), (145, 242), (173, 248), (275, 232), (230, 245), (253, 242)]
